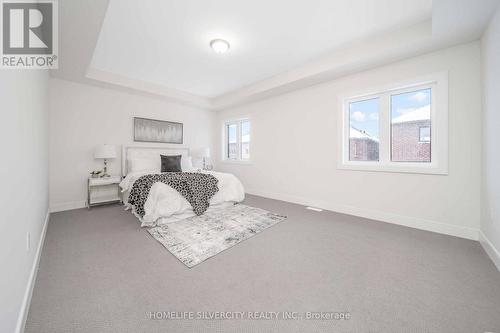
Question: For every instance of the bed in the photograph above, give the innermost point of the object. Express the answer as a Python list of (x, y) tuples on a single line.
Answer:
[(165, 204)]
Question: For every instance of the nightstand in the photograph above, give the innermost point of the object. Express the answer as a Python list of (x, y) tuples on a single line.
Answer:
[(103, 191)]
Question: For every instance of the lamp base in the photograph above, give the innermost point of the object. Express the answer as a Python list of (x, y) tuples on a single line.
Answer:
[(105, 170)]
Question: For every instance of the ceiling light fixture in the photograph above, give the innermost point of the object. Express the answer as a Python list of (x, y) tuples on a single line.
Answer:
[(219, 46)]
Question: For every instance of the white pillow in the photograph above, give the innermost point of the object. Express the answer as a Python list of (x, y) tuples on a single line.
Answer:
[(144, 164), (186, 164)]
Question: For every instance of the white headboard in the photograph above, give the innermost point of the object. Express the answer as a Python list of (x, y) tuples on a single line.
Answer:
[(137, 151)]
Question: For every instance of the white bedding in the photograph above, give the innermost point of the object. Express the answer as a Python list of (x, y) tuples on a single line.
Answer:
[(165, 204)]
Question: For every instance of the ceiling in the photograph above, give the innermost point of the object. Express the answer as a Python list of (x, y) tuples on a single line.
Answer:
[(167, 41), (162, 46)]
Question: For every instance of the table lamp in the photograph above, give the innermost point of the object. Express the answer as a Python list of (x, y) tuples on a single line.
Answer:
[(202, 153), (105, 152)]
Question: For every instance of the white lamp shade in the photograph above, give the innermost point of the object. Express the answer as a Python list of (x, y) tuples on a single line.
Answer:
[(105, 151), (202, 152)]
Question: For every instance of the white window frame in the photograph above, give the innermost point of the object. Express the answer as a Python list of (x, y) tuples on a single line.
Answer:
[(439, 127), (225, 142)]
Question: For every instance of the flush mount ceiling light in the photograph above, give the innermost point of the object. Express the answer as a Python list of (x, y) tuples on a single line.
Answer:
[(219, 46)]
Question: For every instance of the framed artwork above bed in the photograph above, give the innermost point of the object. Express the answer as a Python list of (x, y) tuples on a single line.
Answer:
[(152, 130)]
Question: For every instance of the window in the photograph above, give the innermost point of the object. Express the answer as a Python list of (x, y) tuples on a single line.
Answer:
[(232, 143), (237, 140), (245, 140), (403, 128), (425, 134), (410, 112), (363, 130)]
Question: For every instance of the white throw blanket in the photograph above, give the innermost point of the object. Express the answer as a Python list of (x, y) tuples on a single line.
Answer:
[(165, 204)]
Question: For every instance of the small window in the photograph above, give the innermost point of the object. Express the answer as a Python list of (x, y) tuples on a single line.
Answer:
[(425, 134), (237, 140)]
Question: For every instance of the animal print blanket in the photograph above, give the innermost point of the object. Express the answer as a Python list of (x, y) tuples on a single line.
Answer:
[(197, 188)]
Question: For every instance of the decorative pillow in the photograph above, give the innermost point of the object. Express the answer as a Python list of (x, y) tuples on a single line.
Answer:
[(171, 163), (143, 164), (186, 164)]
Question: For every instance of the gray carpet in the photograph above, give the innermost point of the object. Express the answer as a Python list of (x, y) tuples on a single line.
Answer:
[(100, 272)]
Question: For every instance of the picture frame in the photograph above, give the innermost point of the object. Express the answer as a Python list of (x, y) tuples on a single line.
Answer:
[(153, 130)]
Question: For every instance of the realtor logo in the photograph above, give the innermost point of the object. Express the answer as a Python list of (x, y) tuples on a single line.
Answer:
[(29, 34)]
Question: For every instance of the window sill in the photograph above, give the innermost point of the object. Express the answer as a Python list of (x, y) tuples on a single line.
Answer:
[(415, 168), (236, 162)]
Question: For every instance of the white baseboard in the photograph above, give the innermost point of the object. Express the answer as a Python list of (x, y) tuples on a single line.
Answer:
[(490, 249), (408, 221), (62, 206), (23, 315)]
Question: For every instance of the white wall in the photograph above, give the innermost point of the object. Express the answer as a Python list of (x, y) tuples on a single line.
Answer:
[(24, 179), (490, 219), (83, 116), (294, 150)]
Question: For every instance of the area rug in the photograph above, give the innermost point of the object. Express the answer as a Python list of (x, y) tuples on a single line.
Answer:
[(198, 238)]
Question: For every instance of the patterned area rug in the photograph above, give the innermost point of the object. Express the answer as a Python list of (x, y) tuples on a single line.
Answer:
[(198, 238)]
